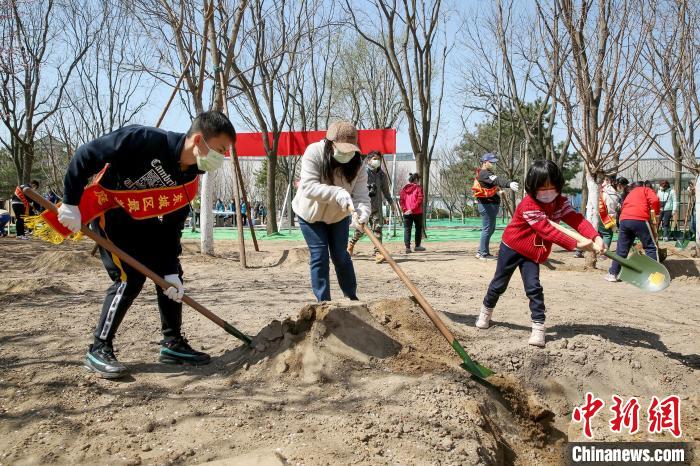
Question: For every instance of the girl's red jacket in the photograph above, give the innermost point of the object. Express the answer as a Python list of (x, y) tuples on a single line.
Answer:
[(411, 198), (530, 234), (638, 203)]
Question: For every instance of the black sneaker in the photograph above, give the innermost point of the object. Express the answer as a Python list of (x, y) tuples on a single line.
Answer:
[(103, 362), (419, 249), (408, 251), (178, 351)]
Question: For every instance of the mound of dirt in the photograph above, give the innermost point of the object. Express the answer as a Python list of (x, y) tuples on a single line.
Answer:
[(32, 287), (322, 343), (65, 262)]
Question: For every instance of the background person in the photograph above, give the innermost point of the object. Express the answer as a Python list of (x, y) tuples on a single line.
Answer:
[(608, 207), (4, 220), (411, 202), (332, 182), (486, 190), (669, 207), (635, 223), (22, 207), (379, 191)]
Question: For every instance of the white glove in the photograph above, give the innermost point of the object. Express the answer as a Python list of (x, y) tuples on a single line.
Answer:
[(69, 216), (344, 199), (359, 219), (177, 291), (514, 185)]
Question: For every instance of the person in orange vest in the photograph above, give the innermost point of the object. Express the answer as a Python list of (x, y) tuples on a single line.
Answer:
[(22, 207), (486, 188)]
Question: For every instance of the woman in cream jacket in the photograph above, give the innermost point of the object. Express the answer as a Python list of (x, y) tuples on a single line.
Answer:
[(332, 185)]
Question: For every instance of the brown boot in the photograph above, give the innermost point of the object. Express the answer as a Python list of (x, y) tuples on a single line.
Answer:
[(378, 258), (351, 248)]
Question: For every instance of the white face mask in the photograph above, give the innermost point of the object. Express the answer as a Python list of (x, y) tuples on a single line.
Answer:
[(547, 195), (343, 157), (375, 163), (212, 161)]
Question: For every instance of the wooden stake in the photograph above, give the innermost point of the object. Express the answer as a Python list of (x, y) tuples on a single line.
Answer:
[(175, 89)]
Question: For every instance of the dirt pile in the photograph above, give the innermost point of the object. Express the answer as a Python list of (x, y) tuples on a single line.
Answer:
[(322, 343), (62, 261), (32, 287)]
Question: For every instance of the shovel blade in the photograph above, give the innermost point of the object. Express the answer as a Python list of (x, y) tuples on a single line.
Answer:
[(468, 364), (682, 244), (644, 273)]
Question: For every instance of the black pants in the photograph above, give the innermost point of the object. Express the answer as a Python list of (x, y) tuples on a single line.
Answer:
[(628, 231), (508, 260), (666, 216), (20, 211), (408, 221), (126, 287)]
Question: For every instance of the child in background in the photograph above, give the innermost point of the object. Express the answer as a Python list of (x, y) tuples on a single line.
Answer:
[(634, 223), (527, 242)]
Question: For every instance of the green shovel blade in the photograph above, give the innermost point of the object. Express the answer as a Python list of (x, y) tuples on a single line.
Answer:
[(471, 366), (642, 271)]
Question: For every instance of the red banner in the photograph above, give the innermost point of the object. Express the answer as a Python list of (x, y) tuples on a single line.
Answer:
[(295, 142)]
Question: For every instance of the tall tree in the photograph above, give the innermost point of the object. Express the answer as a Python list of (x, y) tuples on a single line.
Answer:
[(180, 30), (673, 74), (604, 105), (262, 75), (43, 42), (411, 35)]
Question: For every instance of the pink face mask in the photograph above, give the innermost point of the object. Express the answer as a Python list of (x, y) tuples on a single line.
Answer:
[(546, 196)]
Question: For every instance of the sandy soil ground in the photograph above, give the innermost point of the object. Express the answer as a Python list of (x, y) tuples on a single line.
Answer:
[(345, 383)]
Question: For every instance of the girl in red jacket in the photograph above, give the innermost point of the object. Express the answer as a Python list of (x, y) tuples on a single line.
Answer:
[(411, 200), (527, 242)]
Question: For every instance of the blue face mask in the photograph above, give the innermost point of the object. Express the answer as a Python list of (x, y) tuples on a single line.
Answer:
[(546, 196)]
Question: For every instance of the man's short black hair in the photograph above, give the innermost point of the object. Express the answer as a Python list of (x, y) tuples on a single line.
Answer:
[(212, 124), (539, 173), (35, 183)]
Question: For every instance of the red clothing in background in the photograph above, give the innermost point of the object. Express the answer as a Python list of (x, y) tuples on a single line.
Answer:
[(411, 198), (638, 203)]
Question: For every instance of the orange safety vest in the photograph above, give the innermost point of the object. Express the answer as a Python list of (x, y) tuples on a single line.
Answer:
[(480, 191)]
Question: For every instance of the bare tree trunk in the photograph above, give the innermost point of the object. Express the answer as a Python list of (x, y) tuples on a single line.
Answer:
[(697, 215), (592, 212)]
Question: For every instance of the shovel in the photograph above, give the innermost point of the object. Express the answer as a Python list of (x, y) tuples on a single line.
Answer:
[(467, 363), (638, 269), (157, 279), (683, 238)]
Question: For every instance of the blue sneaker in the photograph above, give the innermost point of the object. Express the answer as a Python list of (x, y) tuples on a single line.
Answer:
[(101, 360), (178, 351)]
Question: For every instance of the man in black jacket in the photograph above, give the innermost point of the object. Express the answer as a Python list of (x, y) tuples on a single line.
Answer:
[(487, 196), (150, 175)]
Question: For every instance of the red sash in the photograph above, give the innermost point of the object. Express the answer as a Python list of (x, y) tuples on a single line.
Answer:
[(139, 204), (23, 198), (608, 222)]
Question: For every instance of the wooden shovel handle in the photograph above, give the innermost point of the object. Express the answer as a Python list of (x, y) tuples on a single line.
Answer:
[(138, 266), (573, 234), (424, 304)]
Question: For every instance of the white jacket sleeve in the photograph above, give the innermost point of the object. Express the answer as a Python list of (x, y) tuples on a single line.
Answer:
[(360, 194), (310, 184)]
